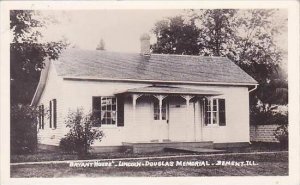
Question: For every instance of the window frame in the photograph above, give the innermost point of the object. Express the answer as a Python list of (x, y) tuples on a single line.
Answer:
[(211, 111), (110, 111), (164, 111)]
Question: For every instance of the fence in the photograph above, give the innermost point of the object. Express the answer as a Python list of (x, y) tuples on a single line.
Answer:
[(263, 133)]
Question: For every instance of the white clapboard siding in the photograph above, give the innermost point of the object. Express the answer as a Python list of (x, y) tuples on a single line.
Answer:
[(52, 90), (79, 94)]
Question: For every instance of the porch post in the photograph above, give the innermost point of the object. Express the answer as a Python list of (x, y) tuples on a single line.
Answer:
[(134, 97), (160, 98)]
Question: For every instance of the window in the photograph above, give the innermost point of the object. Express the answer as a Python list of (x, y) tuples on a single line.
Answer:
[(163, 111), (214, 112), (53, 114), (105, 108), (108, 111), (156, 110), (41, 116)]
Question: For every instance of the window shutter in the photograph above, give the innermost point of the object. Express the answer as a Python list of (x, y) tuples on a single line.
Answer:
[(222, 114), (206, 113), (120, 111), (50, 114), (42, 116), (54, 113), (97, 109)]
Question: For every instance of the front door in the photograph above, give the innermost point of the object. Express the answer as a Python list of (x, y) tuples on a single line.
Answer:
[(181, 120)]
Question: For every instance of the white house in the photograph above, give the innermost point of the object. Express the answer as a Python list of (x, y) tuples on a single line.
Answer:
[(146, 98)]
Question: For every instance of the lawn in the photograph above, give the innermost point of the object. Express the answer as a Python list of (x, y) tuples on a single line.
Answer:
[(266, 165), (44, 155)]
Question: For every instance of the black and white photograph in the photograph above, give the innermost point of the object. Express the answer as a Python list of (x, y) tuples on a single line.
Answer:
[(149, 91)]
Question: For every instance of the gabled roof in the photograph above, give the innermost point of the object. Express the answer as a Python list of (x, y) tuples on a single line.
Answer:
[(89, 64), (171, 90)]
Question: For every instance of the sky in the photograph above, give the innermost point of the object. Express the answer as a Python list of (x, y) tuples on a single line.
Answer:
[(120, 29)]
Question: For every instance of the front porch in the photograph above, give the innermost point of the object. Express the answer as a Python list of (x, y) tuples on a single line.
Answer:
[(164, 113), (148, 147)]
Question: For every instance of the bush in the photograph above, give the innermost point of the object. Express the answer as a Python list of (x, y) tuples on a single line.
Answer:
[(282, 134), (268, 118), (81, 134), (68, 144), (23, 129)]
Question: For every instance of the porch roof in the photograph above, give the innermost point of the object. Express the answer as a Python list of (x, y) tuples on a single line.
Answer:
[(171, 90)]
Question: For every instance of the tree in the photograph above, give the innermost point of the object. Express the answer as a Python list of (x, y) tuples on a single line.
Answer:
[(174, 36), (217, 29), (23, 132), (247, 37), (81, 134), (101, 45), (27, 57), (258, 54), (28, 54)]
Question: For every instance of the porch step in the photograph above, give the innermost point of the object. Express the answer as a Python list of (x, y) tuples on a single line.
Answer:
[(193, 149), (141, 147)]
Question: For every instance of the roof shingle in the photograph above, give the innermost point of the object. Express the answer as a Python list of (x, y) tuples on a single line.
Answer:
[(161, 67)]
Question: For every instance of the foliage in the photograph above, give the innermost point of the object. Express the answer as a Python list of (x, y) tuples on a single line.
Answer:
[(282, 134), (28, 53), (81, 133), (23, 129), (217, 31), (247, 37), (101, 45), (174, 36), (267, 118)]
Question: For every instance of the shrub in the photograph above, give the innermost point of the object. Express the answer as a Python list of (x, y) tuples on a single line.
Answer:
[(268, 118), (282, 134), (81, 134), (23, 129), (68, 144)]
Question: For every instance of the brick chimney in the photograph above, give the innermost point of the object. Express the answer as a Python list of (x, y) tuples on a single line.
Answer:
[(145, 44)]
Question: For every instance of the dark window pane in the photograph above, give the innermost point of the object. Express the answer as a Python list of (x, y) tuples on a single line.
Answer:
[(207, 118), (214, 118), (214, 104), (103, 121)]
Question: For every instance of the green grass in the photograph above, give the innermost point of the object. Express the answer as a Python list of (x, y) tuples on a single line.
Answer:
[(268, 165)]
